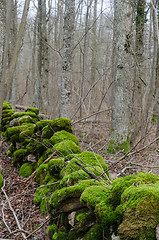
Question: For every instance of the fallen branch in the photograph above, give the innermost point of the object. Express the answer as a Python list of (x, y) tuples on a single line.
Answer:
[(10, 206), (3, 218)]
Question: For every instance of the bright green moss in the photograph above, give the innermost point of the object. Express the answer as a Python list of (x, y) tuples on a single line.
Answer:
[(15, 131), (84, 218), (95, 233), (62, 124), (70, 192), (33, 109), (60, 235), (77, 175), (51, 230), (7, 113), (114, 146), (56, 165), (47, 132), (120, 184), (1, 180), (27, 133), (63, 135), (140, 209), (27, 169), (6, 105), (21, 114), (9, 153), (154, 118), (87, 157), (41, 173), (66, 147), (41, 193), (42, 123), (19, 156)]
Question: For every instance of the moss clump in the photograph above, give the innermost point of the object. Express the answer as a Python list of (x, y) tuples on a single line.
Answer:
[(140, 210), (95, 233), (19, 156), (62, 124), (98, 198), (27, 169), (47, 132), (7, 113), (154, 118), (75, 176), (88, 159), (1, 180), (63, 135), (75, 191), (56, 165), (22, 114), (33, 109), (27, 133), (84, 218), (50, 231), (42, 123), (41, 173), (120, 184), (115, 146), (6, 105), (59, 235), (66, 147)]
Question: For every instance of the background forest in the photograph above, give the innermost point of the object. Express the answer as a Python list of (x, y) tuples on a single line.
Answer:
[(110, 49)]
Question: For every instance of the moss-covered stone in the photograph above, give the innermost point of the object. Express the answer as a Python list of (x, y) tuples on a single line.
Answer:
[(59, 235), (62, 124), (88, 159), (19, 156), (56, 165), (66, 147), (75, 176), (33, 109), (42, 123), (27, 133), (22, 114), (63, 135), (98, 198), (120, 184), (7, 113), (75, 191), (27, 169), (140, 210), (115, 146), (6, 105), (41, 173), (50, 231), (95, 233), (47, 132)]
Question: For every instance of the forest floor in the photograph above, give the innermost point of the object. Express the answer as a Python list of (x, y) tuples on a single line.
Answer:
[(92, 137)]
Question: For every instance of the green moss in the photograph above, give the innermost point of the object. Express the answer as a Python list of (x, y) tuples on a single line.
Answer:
[(7, 113), (95, 233), (77, 175), (42, 123), (60, 235), (13, 132), (27, 169), (41, 173), (75, 191), (40, 193), (47, 131), (66, 147), (120, 184), (140, 211), (62, 124), (33, 109), (9, 153), (154, 118), (6, 105), (56, 165), (87, 157), (50, 231), (27, 133), (114, 146), (63, 135), (1, 180), (21, 114), (84, 218), (19, 156)]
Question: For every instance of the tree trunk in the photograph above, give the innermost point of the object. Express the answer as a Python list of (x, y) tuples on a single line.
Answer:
[(67, 61), (119, 138)]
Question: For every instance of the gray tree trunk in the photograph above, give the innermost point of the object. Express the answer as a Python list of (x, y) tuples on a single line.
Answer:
[(119, 138), (67, 61)]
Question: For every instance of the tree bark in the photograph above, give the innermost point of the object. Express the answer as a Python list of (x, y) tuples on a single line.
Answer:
[(119, 138), (67, 61)]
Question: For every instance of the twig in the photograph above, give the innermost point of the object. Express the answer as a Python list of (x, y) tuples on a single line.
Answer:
[(83, 168), (48, 185), (4, 218), (10, 206), (37, 228)]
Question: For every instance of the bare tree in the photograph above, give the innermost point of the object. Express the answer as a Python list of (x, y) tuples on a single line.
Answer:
[(67, 61), (119, 138)]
